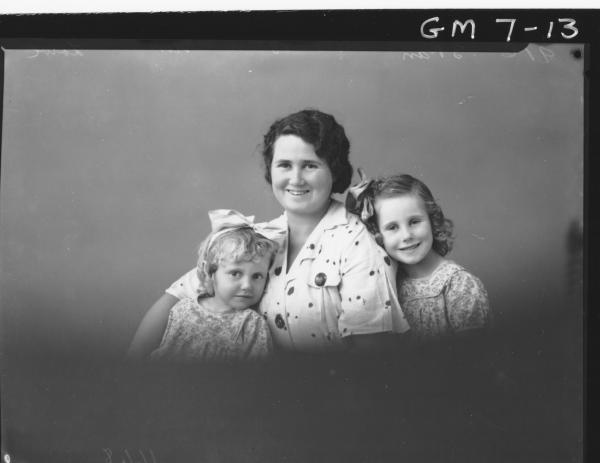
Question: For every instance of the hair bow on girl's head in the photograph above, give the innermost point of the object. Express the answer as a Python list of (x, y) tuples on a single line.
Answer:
[(221, 219), (227, 219), (359, 202)]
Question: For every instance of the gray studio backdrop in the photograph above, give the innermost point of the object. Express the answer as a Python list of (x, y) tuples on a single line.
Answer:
[(112, 158)]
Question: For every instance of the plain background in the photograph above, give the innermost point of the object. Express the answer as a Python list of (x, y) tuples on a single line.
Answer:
[(110, 162)]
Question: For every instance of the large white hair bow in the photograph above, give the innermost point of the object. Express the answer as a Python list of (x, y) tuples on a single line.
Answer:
[(227, 219)]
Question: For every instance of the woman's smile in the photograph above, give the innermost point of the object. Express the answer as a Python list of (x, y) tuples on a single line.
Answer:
[(298, 192)]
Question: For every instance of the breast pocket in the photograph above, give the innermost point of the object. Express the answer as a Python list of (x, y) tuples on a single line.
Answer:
[(323, 283), (323, 274)]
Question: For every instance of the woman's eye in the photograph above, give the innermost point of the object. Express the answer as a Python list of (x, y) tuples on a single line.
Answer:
[(258, 277)]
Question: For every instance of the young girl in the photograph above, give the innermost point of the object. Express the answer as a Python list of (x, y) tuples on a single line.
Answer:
[(220, 324), (438, 296)]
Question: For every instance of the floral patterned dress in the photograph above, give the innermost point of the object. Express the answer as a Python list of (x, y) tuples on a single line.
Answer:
[(446, 302), (195, 333)]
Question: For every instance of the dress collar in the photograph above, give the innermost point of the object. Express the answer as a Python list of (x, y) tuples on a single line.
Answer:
[(336, 215)]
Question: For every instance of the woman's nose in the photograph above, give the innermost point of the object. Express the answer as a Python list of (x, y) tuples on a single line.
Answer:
[(296, 176)]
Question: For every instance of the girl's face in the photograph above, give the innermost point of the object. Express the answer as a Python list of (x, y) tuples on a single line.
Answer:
[(301, 180), (239, 284), (404, 223)]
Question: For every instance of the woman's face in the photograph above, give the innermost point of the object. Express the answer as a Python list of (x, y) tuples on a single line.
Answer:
[(301, 180)]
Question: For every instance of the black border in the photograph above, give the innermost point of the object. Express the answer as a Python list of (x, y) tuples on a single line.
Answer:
[(356, 30)]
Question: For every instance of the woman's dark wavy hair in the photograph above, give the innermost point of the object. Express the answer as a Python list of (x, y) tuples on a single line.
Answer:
[(403, 184), (324, 133)]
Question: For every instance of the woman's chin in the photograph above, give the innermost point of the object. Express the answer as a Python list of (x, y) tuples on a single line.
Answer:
[(307, 207)]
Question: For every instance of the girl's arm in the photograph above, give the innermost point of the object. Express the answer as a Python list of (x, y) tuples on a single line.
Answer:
[(150, 332)]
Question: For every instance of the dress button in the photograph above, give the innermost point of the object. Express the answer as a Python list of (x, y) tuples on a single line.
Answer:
[(279, 323), (320, 279)]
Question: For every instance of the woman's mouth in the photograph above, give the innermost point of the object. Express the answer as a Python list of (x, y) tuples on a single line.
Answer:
[(297, 192)]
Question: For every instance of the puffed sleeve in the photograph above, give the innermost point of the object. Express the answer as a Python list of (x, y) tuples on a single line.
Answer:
[(368, 302), (186, 286), (467, 303), (256, 337)]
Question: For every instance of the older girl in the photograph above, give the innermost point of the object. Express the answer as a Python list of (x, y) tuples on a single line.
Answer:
[(331, 287), (438, 296)]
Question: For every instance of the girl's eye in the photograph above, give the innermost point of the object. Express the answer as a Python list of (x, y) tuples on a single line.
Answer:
[(258, 276), (415, 221), (283, 165), (391, 227), (235, 273), (312, 166)]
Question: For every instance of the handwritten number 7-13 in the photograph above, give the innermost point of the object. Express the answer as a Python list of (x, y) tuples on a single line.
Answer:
[(567, 25)]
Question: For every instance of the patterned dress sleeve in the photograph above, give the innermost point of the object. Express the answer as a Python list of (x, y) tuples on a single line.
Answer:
[(256, 337), (365, 294), (466, 300), (186, 286)]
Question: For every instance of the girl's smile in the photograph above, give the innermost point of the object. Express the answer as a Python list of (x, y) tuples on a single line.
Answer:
[(410, 248), (301, 180)]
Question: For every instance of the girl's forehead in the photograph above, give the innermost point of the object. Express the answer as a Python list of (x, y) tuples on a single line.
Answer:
[(249, 263), (408, 203)]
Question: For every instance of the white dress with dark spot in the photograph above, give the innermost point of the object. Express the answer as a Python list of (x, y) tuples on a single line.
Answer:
[(195, 333)]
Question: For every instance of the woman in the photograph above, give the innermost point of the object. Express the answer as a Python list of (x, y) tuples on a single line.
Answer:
[(331, 286)]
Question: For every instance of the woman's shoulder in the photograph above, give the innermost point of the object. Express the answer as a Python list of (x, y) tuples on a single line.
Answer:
[(342, 222), (352, 239)]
